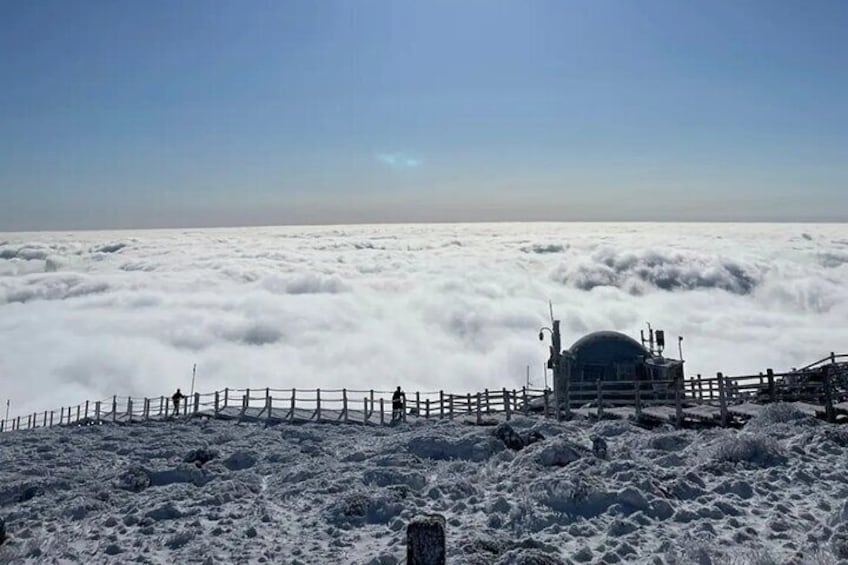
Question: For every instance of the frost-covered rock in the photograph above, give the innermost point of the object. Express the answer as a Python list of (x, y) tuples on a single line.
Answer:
[(599, 447), (470, 447), (240, 460), (509, 437), (200, 457), (134, 479), (388, 476), (556, 452)]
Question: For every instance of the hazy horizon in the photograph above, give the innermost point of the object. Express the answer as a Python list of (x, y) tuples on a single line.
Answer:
[(198, 115)]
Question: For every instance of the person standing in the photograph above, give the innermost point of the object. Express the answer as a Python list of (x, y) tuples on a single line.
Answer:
[(398, 405), (176, 398)]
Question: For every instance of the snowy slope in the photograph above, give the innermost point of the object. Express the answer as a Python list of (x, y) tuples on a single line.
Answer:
[(774, 492)]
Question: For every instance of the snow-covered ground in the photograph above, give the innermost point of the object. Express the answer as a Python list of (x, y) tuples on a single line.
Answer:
[(773, 492)]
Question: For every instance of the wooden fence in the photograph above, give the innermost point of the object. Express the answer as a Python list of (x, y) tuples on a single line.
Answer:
[(820, 389), (296, 405)]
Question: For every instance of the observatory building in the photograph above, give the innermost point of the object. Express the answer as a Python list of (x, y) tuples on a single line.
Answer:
[(612, 356)]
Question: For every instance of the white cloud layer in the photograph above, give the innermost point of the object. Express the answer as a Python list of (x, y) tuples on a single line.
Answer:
[(457, 307)]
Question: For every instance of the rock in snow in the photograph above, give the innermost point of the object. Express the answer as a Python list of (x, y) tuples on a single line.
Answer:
[(326, 493)]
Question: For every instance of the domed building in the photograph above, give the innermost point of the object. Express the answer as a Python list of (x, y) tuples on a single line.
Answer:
[(613, 356)]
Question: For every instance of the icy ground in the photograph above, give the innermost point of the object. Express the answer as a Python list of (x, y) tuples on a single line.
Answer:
[(227, 492)]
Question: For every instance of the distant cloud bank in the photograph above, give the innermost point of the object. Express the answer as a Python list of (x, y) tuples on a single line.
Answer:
[(91, 314)]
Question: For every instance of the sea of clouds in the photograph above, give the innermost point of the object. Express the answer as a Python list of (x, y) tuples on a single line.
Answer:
[(85, 315)]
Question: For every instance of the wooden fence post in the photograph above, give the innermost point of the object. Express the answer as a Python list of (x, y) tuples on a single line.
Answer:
[(146, 409), (700, 389), (479, 420), (638, 400), (427, 409), (129, 409), (371, 395), (217, 403), (344, 404), (51, 418), (318, 405), (417, 405), (470, 410), (226, 396), (18, 423), (450, 406), (441, 404), (772, 389), (382, 413), (86, 409), (196, 403), (678, 400), (600, 399), (546, 404), (114, 409), (78, 412), (167, 409), (245, 400), (365, 410), (44, 420), (268, 407), (524, 405), (291, 413), (828, 394), (506, 405), (557, 405), (96, 413), (722, 399), (487, 401), (161, 405)]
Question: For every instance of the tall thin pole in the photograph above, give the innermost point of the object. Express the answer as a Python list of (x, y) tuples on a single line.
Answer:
[(528, 376), (193, 374), (7, 409)]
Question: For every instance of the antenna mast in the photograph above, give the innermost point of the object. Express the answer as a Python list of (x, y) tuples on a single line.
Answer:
[(193, 374)]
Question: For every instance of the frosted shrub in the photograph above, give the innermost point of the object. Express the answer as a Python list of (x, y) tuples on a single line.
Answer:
[(360, 507), (575, 497), (751, 449), (778, 413)]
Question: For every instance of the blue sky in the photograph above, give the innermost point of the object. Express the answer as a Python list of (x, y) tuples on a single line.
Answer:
[(147, 114)]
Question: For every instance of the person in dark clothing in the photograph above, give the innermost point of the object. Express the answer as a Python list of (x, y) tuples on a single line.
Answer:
[(176, 398), (398, 403)]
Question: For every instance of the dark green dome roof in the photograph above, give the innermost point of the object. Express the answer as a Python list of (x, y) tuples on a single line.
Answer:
[(607, 348)]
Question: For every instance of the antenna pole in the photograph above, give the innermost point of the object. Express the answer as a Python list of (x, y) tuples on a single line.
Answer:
[(193, 374), (651, 338), (528, 376), (7, 409), (551, 307), (680, 346)]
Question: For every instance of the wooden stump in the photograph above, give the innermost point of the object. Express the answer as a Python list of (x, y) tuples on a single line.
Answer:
[(425, 540)]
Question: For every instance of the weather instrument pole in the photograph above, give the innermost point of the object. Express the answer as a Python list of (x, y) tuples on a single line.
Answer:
[(193, 374)]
